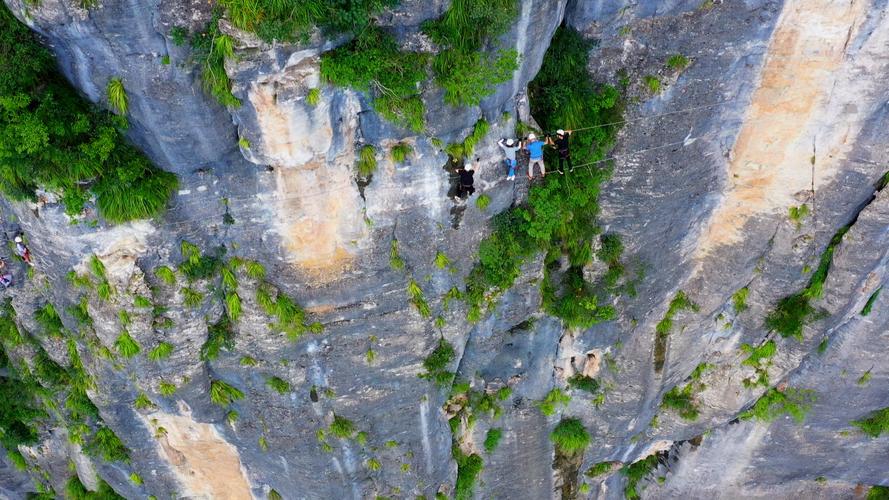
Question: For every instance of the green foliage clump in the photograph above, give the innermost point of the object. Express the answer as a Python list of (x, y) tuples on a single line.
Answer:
[(437, 362), (178, 34), (652, 83), (278, 384), (367, 161), (636, 472), (373, 62), (570, 436), (797, 214), (774, 403), (680, 302), (51, 138), (49, 319), (554, 398), (291, 317), (682, 400), (462, 67), (165, 274), (869, 305), (677, 61), (759, 354), (482, 202), (196, 265), (795, 311), (395, 260), (191, 297), (126, 345), (878, 493), (468, 469), (223, 394), (415, 293), (583, 382), (492, 439), (401, 151), (107, 445), (739, 300), (313, 97), (875, 424), (75, 490), (117, 95), (342, 427), (219, 336), (163, 350), (441, 260), (598, 469), (211, 48)]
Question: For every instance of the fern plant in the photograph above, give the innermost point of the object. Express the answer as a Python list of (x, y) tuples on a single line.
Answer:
[(117, 95)]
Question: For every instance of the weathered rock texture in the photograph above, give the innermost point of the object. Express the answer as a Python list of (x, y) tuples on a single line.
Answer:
[(784, 103)]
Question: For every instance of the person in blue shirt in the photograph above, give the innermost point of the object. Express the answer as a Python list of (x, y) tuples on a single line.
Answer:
[(535, 148)]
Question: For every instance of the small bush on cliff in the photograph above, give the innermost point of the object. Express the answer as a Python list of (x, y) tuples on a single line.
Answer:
[(875, 424), (223, 394), (570, 436), (75, 490), (51, 138), (117, 95), (437, 362), (211, 49), (367, 161), (774, 403)]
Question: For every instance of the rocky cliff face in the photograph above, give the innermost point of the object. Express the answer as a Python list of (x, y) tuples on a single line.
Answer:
[(782, 104)]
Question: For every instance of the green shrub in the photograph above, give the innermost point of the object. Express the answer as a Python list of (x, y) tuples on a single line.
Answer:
[(51, 138), (437, 362), (598, 469), (584, 383), (165, 274), (441, 260), (342, 427), (570, 436), (107, 445), (401, 151), (166, 388), (681, 400), (374, 63), (75, 490), (636, 472), (611, 249), (126, 345), (468, 469), (774, 403), (219, 336), (142, 402), (210, 49), (278, 384), (554, 398), (652, 83), (677, 62), (178, 34), (870, 302), (142, 302), (395, 260), (192, 298), (313, 97), (367, 161), (878, 493), (482, 201), (415, 293), (117, 95), (248, 361), (875, 424), (255, 270), (223, 394), (797, 214), (739, 300), (49, 319), (163, 350), (492, 439), (759, 354), (461, 68)]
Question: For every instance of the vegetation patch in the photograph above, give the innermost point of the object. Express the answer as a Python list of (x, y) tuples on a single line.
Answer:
[(875, 424), (868, 307), (739, 300), (636, 472), (774, 403), (51, 138), (553, 400), (680, 302), (760, 359), (570, 436), (492, 439), (436, 364), (682, 399)]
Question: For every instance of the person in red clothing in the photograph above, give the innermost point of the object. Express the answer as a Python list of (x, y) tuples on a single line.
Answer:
[(22, 250)]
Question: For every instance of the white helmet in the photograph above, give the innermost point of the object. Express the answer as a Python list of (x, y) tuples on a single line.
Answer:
[(467, 166), (18, 239), (532, 136), (509, 142), (560, 132)]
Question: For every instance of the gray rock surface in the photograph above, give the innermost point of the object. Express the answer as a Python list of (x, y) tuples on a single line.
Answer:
[(704, 173)]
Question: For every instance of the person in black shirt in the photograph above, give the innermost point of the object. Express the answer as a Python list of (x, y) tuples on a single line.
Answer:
[(561, 143), (465, 186)]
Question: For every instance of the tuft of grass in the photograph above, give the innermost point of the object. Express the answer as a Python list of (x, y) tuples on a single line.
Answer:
[(441, 260), (598, 469), (107, 445), (878, 493), (739, 300), (244, 143), (142, 302), (49, 319), (492, 439), (570, 436), (165, 59), (774, 403), (117, 95), (870, 302), (224, 394), (211, 48), (415, 293), (163, 350), (554, 398), (401, 151), (652, 83), (165, 274), (233, 305), (255, 270), (126, 345), (677, 62), (342, 427), (248, 361), (313, 97), (278, 384), (178, 34), (373, 464), (875, 423), (482, 202), (166, 388), (367, 161), (797, 214), (583, 382), (468, 469), (142, 402), (636, 472), (192, 297), (395, 260), (864, 378), (682, 401), (219, 336)]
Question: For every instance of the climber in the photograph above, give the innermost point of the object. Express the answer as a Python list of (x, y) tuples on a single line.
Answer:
[(465, 182), (561, 145), (5, 275), (509, 148), (535, 148), (22, 250)]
